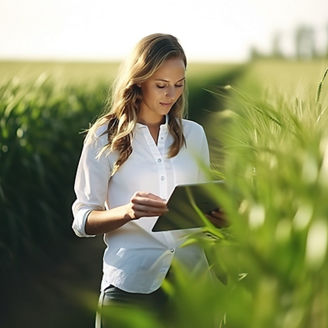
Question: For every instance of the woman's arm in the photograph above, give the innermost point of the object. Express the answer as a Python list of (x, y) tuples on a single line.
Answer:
[(141, 204)]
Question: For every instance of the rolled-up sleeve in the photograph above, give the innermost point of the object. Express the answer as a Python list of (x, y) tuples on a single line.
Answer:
[(91, 184)]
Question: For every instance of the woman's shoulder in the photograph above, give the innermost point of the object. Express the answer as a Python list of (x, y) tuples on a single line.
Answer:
[(101, 130), (98, 134), (191, 126), (193, 132)]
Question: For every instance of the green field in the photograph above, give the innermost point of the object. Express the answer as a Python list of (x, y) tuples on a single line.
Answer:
[(76, 72), (291, 78), (268, 139)]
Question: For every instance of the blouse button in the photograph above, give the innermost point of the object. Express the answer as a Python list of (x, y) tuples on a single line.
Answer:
[(162, 177), (159, 160)]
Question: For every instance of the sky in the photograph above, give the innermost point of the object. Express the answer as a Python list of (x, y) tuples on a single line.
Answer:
[(212, 30)]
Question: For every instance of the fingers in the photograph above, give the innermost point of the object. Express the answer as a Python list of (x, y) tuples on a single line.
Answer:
[(152, 196), (218, 218), (148, 209), (148, 198), (219, 223), (146, 201), (217, 213), (147, 204), (148, 195)]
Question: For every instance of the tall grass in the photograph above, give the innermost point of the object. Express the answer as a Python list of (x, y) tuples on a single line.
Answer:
[(275, 167), (276, 153), (39, 147)]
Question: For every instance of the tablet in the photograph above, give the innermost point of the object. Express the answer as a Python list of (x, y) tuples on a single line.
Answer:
[(183, 205)]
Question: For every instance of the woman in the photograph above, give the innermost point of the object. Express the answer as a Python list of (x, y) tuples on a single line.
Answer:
[(132, 159)]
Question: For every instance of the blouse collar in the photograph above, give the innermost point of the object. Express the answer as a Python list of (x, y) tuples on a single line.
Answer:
[(164, 125)]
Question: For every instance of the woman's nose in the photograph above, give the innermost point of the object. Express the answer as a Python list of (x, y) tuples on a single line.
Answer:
[(170, 92)]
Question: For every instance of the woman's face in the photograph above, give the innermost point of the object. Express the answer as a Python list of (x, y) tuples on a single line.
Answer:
[(162, 90)]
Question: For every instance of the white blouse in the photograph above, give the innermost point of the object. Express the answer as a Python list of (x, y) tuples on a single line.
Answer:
[(137, 259)]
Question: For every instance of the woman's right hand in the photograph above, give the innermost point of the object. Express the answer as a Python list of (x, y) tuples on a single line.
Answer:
[(140, 205), (145, 204)]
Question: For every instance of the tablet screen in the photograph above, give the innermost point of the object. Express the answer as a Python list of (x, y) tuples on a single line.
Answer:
[(182, 206)]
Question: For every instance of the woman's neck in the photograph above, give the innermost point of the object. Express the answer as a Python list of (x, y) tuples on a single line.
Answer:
[(152, 123), (153, 126)]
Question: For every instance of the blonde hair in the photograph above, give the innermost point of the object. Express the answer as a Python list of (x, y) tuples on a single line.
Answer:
[(123, 106)]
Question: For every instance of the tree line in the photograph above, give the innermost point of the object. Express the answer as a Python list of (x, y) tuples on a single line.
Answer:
[(305, 45)]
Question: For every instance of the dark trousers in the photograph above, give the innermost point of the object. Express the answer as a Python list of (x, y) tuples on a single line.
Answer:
[(113, 298)]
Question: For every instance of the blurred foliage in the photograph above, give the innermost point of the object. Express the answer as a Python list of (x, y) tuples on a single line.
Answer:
[(202, 99), (39, 147), (288, 78)]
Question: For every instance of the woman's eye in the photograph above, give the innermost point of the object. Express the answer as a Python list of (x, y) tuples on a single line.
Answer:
[(163, 86)]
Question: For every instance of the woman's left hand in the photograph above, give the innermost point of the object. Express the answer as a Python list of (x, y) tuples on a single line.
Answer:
[(218, 218)]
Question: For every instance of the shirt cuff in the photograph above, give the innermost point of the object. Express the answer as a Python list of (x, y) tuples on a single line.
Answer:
[(79, 223)]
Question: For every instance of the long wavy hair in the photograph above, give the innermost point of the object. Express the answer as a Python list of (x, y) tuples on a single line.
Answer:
[(123, 105)]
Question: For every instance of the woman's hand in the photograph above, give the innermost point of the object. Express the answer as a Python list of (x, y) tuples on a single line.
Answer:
[(218, 218), (141, 204), (145, 204)]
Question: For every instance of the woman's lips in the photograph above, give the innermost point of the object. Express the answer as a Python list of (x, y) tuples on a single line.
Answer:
[(166, 104)]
